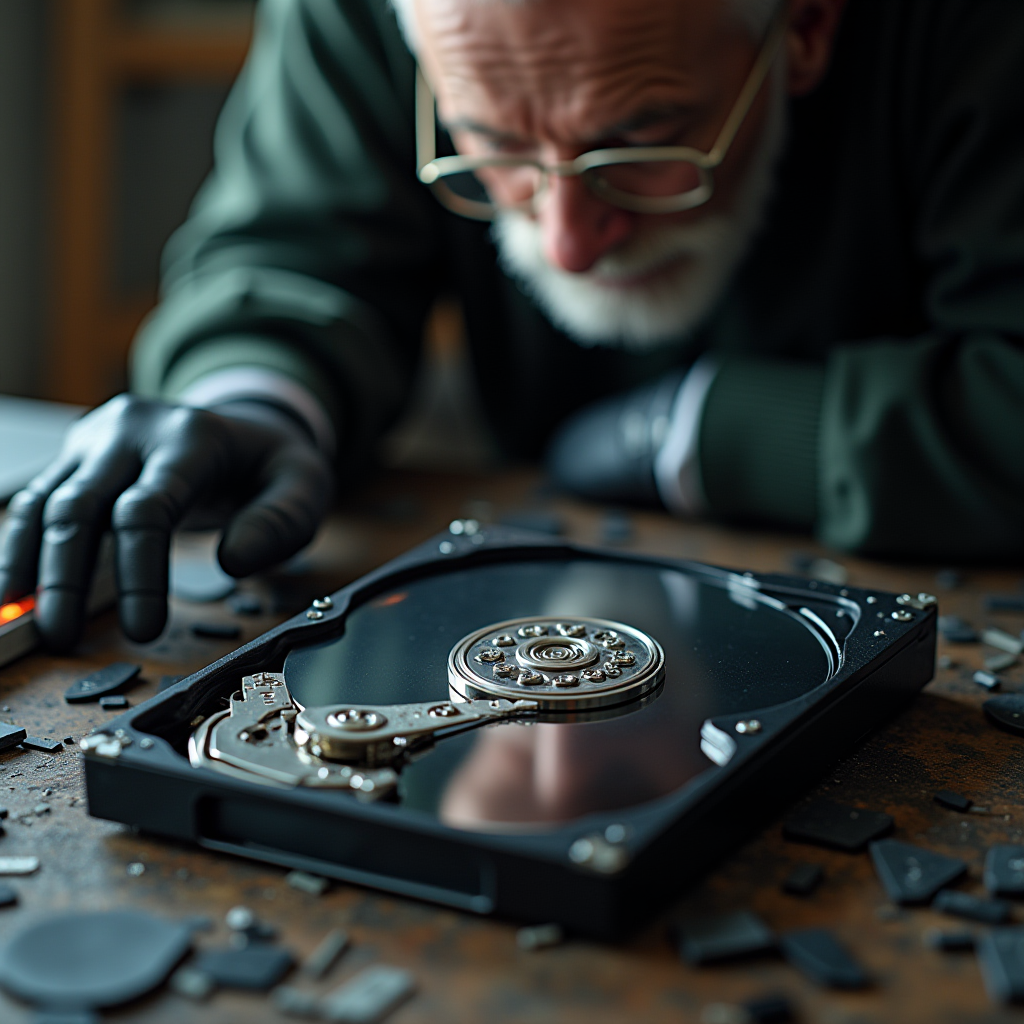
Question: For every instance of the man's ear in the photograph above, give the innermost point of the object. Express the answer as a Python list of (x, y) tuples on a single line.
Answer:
[(809, 38)]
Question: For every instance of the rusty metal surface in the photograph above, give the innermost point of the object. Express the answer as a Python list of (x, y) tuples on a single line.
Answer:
[(470, 969)]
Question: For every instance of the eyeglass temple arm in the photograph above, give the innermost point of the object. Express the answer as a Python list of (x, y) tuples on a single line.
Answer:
[(425, 124), (752, 86)]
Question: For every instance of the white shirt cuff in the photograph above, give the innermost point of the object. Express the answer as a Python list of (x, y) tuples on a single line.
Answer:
[(677, 464), (238, 383)]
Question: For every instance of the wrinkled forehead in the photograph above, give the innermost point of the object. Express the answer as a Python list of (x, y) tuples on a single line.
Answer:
[(577, 60)]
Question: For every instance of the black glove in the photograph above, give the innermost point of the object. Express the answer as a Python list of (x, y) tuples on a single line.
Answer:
[(139, 466), (606, 451)]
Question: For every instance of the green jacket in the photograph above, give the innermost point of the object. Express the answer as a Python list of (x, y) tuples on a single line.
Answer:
[(872, 345)]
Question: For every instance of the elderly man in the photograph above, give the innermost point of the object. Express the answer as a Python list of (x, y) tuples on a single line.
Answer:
[(756, 260)]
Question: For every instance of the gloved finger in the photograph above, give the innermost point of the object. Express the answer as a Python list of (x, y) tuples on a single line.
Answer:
[(283, 517), (143, 519), (22, 531), (75, 515)]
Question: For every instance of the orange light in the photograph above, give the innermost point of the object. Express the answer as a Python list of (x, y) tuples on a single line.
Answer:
[(14, 610)]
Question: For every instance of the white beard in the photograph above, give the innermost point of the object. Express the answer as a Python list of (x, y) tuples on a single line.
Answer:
[(699, 259)]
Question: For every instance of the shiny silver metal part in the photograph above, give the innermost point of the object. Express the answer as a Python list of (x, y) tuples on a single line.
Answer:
[(263, 736), (564, 664)]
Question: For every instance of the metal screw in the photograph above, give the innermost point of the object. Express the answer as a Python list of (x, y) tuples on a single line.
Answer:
[(879, 632), (489, 655), (592, 675), (443, 711), (570, 628), (596, 853), (314, 614), (928, 600), (458, 527), (504, 641), (748, 727), (902, 615), (146, 743), (602, 636), (446, 547), (504, 669), (565, 680), (624, 658), (528, 631), (530, 679), (323, 604), (872, 599), (616, 833)]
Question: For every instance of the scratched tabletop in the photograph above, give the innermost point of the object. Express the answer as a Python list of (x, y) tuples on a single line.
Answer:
[(470, 969)]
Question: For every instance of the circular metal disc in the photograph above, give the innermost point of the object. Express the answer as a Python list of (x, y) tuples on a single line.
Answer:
[(563, 663)]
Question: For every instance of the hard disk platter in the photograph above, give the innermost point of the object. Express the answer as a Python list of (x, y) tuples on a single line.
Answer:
[(513, 725)]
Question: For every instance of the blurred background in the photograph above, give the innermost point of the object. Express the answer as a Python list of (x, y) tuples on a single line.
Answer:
[(107, 110)]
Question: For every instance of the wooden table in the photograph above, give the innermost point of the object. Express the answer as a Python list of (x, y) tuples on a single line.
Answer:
[(470, 969)]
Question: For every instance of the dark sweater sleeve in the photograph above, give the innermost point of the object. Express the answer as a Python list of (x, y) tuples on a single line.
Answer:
[(910, 445), (310, 249)]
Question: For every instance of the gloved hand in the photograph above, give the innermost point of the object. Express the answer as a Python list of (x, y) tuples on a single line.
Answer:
[(139, 466), (606, 451)]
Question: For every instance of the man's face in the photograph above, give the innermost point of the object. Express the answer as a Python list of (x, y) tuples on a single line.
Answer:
[(550, 79)]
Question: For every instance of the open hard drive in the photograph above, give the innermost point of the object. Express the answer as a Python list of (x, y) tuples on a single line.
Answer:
[(513, 725)]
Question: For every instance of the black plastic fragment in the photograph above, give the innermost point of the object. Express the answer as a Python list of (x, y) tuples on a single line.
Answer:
[(773, 1009), (838, 826), (8, 895), (257, 967), (912, 874), (43, 744), (1007, 712), (216, 630), (118, 702), (817, 953), (963, 904), (706, 940), (954, 801), (1001, 959), (1004, 870), (803, 879), (950, 942), (955, 630), (91, 959), (1004, 602), (10, 735), (246, 604), (115, 678)]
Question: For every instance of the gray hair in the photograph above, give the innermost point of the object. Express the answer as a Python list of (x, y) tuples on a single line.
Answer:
[(754, 15)]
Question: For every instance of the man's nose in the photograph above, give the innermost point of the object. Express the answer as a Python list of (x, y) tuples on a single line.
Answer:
[(578, 228)]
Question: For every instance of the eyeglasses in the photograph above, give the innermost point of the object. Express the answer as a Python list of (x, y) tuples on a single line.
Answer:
[(643, 179)]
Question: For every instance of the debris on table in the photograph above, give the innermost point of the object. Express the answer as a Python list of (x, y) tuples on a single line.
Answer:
[(911, 874), (773, 1009), (18, 865), (10, 735), (257, 967), (294, 1002), (816, 953), (216, 630), (974, 908), (191, 984), (1004, 870), (247, 927), (838, 826), (954, 801), (43, 744), (1001, 959), (986, 679), (1000, 662), (117, 703), (315, 885), (1003, 640), (368, 997), (616, 528), (949, 942), (114, 678), (1004, 602), (8, 895), (541, 936), (246, 604), (955, 630), (117, 956), (326, 954), (136, 869), (803, 879), (1007, 712), (705, 940)]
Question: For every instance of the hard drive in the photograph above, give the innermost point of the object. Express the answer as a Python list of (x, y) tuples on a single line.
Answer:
[(509, 724)]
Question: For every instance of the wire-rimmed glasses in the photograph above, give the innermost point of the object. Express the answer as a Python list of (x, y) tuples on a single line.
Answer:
[(643, 179)]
